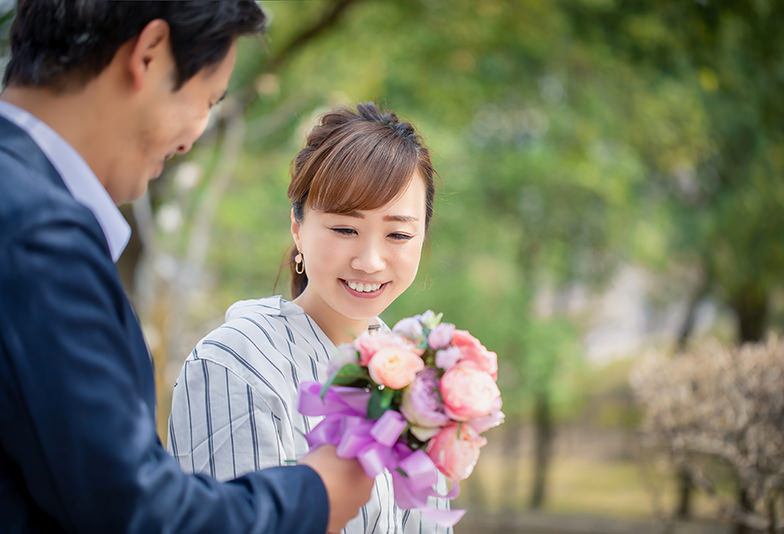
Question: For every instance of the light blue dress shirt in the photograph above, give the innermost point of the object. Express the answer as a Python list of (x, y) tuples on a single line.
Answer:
[(77, 176)]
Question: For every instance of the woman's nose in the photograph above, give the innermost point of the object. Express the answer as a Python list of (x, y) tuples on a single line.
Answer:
[(369, 259)]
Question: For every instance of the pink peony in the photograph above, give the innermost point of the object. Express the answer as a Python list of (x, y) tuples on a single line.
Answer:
[(395, 367), (441, 336), (368, 344), (468, 392), (455, 450), (410, 328), (448, 358), (421, 403), (476, 353)]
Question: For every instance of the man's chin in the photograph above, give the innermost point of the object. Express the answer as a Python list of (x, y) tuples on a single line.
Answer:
[(135, 195)]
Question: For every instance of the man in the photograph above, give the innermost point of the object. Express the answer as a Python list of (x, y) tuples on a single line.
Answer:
[(98, 95)]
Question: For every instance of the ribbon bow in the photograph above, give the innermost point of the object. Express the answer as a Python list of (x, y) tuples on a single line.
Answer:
[(376, 444)]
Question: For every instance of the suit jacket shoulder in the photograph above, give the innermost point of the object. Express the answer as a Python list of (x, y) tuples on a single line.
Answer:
[(32, 191), (78, 444)]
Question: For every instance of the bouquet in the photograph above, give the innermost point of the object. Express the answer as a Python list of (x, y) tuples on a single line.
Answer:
[(414, 401)]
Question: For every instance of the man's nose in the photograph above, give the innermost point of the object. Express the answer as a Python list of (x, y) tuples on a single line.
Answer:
[(182, 149)]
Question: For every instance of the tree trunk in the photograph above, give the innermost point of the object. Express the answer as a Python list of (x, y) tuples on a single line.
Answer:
[(685, 491), (543, 448), (131, 256), (510, 454), (772, 526), (746, 508), (751, 307), (685, 484)]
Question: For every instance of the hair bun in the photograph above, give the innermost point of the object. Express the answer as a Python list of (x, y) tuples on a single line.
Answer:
[(403, 129), (369, 111)]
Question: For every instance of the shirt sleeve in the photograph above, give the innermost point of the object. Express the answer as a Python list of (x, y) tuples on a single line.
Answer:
[(75, 419), (222, 425)]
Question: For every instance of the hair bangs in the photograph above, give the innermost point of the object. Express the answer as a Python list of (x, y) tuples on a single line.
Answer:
[(366, 172)]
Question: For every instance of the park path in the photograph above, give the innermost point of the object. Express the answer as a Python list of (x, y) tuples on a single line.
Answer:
[(547, 523)]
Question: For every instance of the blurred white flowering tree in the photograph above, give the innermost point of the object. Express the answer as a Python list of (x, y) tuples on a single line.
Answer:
[(720, 409)]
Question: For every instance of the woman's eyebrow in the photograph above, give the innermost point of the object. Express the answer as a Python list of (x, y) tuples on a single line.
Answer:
[(393, 218), (400, 218)]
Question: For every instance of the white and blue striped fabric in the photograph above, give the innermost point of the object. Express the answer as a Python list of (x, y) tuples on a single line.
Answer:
[(234, 406)]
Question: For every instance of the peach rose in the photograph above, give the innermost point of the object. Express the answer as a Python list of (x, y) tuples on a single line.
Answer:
[(468, 392), (395, 367), (473, 351), (455, 450)]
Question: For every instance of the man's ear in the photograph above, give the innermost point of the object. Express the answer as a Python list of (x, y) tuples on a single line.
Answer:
[(151, 48)]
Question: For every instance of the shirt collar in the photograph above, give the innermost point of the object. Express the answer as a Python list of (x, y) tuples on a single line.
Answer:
[(80, 180)]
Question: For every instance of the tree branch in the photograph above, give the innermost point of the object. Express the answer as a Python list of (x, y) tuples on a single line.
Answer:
[(328, 19)]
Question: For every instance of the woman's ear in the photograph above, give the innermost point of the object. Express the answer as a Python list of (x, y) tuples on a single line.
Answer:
[(295, 228)]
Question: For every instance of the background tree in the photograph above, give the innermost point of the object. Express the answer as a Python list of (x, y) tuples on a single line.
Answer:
[(573, 139), (716, 168)]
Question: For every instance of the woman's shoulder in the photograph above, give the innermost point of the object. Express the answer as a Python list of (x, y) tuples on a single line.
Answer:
[(254, 334), (268, 306), (273, 306)]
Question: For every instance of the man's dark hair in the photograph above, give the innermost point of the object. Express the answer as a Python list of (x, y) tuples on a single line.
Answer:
[(65, 43)]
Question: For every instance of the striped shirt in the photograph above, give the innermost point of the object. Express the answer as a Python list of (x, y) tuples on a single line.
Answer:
[(234, 406)]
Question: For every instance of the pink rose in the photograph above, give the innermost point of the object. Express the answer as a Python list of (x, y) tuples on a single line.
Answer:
[(368, 344), (486, 422), (395, 367), (455, 450), (476, 353), (468, 392)]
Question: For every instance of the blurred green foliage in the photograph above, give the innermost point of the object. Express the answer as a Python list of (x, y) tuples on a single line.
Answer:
[(570, 138)]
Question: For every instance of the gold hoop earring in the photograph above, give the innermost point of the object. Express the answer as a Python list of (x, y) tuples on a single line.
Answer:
[(299, 266)]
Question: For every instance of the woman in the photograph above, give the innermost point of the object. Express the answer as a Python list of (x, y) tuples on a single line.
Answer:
[(362, 198)]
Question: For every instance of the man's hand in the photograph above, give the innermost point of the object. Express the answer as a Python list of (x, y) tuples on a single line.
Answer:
[(348, 487)]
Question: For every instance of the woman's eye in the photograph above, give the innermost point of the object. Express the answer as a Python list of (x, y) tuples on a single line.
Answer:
[(344, 231), (401, 237)]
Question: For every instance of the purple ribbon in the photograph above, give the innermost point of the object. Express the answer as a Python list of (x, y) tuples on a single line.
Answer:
[(376, 444)]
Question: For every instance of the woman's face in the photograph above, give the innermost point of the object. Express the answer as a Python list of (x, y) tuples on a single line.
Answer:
[(358, 263)]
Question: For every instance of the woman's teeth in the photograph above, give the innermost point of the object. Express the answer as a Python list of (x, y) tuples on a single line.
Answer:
[(363, 288)]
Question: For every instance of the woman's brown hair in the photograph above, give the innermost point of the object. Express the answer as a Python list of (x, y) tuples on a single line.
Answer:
[(354, 161)]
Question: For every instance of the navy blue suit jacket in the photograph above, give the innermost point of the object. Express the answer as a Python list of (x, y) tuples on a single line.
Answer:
[(78, 444)]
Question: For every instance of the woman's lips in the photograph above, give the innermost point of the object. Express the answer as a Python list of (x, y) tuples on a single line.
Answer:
[(364, 294)]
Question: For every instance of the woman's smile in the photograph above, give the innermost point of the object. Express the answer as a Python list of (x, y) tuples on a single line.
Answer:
[(362, 289)]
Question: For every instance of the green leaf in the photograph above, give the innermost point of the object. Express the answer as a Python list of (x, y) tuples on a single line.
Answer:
[(348, 375), (380, 402)]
